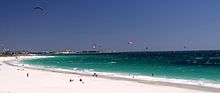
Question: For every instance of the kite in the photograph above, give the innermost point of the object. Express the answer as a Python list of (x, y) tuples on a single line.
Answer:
[(130, 42), (184, 47), (38, 8), (146, 48), (94, 46)]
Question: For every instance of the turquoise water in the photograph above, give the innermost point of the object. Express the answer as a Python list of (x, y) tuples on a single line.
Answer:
[(187, 65)]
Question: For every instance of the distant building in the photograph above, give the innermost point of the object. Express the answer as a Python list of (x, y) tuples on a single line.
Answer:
[(67, 52), (8, 53), (88, 52), (39, 52), (22, 52), (63, 52)]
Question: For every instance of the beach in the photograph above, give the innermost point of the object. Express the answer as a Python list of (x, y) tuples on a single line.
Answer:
[(14, 79)]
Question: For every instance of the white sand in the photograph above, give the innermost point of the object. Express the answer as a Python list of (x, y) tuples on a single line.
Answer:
[(13, 80)]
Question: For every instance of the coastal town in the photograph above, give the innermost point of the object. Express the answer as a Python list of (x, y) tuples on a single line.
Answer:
[(7, 52)]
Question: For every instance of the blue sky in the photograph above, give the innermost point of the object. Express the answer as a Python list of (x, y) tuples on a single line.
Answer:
[(77, 24)]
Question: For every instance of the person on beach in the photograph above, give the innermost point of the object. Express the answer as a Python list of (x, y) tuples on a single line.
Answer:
[(152, 74), (95, 75), (81, 81), (27, 74), (71, 80)]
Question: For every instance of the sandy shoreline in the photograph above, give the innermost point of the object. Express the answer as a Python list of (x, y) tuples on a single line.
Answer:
[(42, 80)]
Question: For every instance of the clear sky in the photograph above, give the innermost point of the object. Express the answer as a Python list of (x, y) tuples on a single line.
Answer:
[(110, 24)]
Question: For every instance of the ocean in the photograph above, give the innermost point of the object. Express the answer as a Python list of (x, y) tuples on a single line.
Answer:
[(189, 67)]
